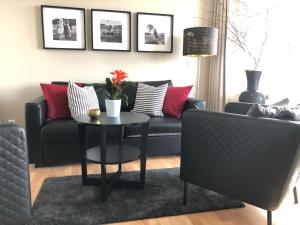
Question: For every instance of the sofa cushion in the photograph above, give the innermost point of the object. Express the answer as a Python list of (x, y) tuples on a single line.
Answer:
[(130, 91), (57, 101), (158, 126), (157, 83), (175, 100), (101, 95), (66, 131), (149, 99), (81, 99)]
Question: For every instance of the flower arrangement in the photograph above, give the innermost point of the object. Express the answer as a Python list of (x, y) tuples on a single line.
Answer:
[(114, 87)]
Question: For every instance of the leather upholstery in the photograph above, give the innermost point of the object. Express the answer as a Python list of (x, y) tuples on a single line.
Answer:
[(57, 141), (65, 131), (35, 117), (158, 126), (130, 91), (101, 95), (254, 160), (238, 107), (15, 201), (158, 145), (193, 103)]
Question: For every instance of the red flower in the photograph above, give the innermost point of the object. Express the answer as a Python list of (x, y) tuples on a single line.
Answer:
[(114, 85), (118, 77)]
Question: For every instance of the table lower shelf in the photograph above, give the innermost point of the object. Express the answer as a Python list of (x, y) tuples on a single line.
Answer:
[(115, 154)]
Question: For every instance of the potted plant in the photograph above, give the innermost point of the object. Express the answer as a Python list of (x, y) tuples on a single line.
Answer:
[(115, 93)]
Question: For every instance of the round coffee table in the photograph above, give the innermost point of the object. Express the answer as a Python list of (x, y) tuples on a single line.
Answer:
[(106, 154)]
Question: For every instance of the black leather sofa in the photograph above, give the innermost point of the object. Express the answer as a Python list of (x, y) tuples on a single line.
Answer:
[(56, 141), (254, 160)]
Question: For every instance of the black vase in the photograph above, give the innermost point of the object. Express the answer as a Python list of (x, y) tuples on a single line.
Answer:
[(251, 95)]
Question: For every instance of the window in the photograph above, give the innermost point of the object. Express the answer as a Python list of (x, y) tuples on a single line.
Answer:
[(279, 60)]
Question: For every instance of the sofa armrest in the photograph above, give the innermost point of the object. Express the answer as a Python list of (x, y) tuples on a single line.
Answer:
[(238, 107), (35, 117), (192, 103)]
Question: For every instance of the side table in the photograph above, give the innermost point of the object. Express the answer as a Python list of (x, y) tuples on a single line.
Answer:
[(109, 154)]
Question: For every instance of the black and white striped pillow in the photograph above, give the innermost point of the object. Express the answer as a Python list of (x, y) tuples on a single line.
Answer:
[(149, 99), (81, 99)]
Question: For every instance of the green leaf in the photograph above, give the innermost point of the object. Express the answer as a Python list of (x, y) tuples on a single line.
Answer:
[(125, 97)]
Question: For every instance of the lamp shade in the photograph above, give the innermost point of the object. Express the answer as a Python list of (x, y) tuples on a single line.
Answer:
[(200, 41)]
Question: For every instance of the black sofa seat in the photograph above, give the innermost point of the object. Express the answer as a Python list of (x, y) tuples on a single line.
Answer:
[(66, 131), (158, 126)]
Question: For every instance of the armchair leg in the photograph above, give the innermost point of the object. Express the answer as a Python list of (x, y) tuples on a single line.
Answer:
[(269, 219), (185, 189), (295, 195)]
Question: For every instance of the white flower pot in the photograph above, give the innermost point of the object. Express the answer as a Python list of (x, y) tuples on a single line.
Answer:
[(113, 107)]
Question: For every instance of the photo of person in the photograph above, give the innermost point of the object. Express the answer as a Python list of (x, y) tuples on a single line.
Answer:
[(111, 31), (64, 29), (153, 37)]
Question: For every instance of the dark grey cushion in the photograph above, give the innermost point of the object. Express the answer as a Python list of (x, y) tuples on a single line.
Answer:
[(158, 126), (283, 102), (101, 95), (277, 112)]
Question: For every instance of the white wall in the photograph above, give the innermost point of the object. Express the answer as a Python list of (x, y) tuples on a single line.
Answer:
[(24, 63)]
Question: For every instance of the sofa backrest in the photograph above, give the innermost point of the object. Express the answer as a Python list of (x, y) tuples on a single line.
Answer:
[(130, 91)]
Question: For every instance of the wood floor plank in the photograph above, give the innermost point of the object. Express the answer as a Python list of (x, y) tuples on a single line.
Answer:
[(287, 214)]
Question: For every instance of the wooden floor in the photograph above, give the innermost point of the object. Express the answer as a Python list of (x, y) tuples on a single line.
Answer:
[(288, 214)]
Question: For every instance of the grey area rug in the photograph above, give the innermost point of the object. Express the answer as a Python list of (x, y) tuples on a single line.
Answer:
[(64, 201)]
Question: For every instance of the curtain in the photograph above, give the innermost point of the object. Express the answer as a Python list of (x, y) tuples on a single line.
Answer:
[(216, 98)]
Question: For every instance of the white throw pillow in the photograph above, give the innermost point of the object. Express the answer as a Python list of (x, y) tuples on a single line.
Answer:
[(149, 99), (81, 99)]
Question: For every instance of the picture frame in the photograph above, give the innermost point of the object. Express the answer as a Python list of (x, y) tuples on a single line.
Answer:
[(63, 27), (111, 30), (154, 32)]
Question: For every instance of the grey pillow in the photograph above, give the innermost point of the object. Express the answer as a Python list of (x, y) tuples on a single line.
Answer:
[(277, 112), (283, 102)]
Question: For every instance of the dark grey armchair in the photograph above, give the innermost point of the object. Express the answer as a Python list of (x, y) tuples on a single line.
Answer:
[(15, 202), (254, 160)]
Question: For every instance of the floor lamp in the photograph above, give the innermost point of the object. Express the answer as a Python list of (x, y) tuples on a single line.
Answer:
[(200, 42)]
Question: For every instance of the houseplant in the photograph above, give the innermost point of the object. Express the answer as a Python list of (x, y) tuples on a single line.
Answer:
[(115, 92)]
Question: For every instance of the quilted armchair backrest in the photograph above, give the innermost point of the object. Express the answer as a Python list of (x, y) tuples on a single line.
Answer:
[(251, 159), (15, 202)]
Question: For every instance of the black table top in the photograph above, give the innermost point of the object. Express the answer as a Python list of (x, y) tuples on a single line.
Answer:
[(125, 118)]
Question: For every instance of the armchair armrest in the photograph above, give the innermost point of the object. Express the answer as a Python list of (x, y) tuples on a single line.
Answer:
[(192, 103), (35, 117)]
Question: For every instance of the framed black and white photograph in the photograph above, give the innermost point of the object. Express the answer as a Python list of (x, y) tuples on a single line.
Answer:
[(63, 27), (111, 30), (154, 32)]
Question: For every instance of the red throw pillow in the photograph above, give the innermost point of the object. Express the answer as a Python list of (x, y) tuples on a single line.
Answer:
[(175, 99), (57, 100)]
